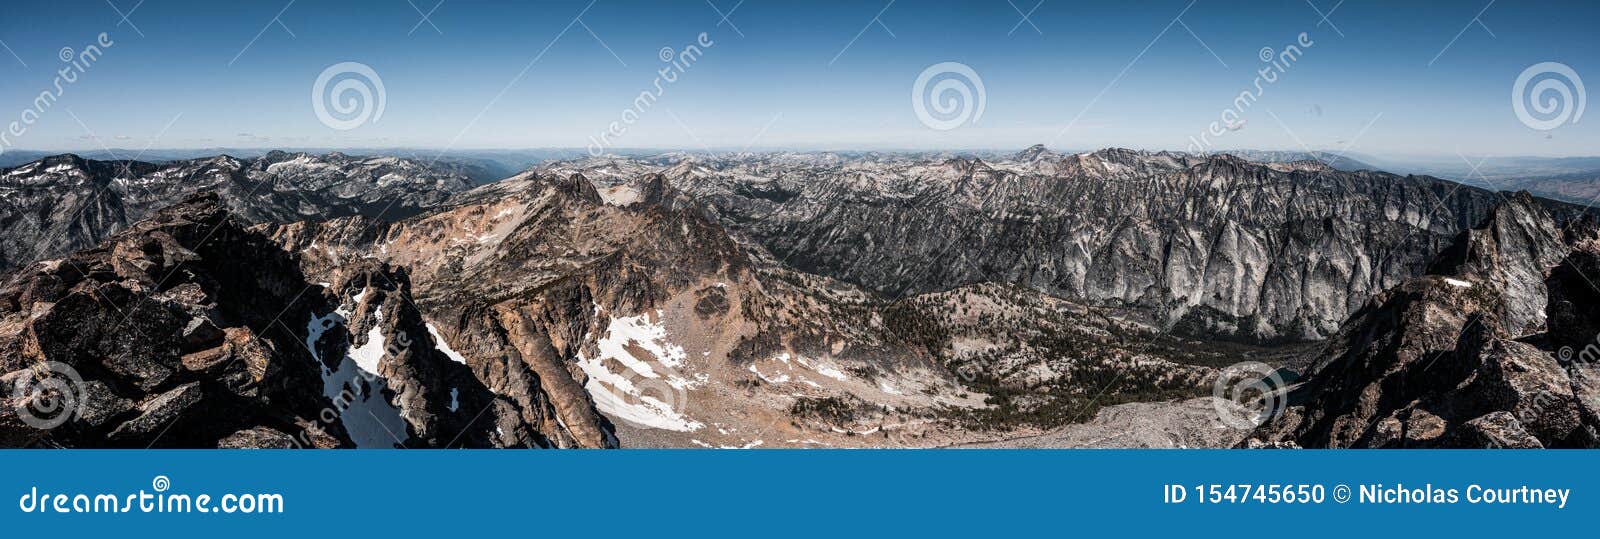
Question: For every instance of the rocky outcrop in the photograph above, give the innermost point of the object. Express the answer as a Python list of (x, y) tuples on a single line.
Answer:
[(1432, 364), (378, 356), (1573, 301), (1372, 374), (403, 381), (1512, 252), (1574, 322), (166, 335)]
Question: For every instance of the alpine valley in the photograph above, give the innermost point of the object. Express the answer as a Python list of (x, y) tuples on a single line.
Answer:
[(721, 300)]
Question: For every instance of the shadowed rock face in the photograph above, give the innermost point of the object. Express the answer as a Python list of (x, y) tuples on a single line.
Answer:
[(1376, 384), (1512, 251), (1574, 322), (1432, 363), (173, 327), (422, 397)]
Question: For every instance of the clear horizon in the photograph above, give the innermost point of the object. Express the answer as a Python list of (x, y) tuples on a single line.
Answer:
[(425, 152), (1383, 79)]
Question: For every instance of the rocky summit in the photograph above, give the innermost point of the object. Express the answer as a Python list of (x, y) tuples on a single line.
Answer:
[(1035, 299)]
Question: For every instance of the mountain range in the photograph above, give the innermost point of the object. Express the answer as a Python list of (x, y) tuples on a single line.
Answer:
[(789, 300)]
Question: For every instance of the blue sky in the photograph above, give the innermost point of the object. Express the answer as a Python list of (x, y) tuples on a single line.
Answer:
[(819, 75)]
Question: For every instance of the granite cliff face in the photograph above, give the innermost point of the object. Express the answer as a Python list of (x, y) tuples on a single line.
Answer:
[(1214, 245)]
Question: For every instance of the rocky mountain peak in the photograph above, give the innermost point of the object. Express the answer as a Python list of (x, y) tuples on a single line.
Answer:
[(67, 159), (1512, 250), (1118, 155), (1034, 153), (579, 187)]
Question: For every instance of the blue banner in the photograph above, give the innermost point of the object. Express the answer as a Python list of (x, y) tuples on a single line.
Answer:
[(826, 493)]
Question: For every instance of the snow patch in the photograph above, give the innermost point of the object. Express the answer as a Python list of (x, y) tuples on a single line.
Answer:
[(787, 362), (369, 355), (1457, 283), (444, 347), (318, 326), (621, 195), (620, 395), (779, 379), (356, 391), (641, 332)]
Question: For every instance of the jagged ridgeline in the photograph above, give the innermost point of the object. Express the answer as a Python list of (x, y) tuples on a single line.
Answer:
[(768, 300), (64, 203)]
